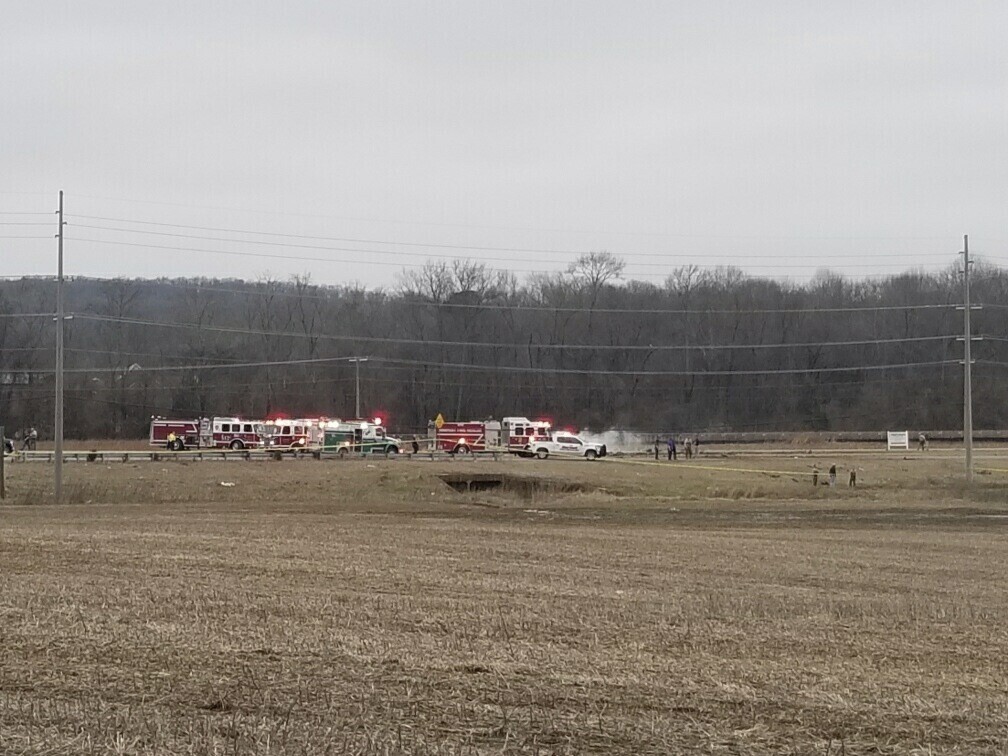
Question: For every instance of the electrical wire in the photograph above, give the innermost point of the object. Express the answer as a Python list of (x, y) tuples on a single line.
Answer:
[(407, 301), (645, 234), (510, 368), (412, 255), (516, 345), (387, 242), (503, 384), (681, 373)]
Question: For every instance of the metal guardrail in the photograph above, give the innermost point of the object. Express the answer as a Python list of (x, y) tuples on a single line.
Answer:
[(163, 455), (316, 454)]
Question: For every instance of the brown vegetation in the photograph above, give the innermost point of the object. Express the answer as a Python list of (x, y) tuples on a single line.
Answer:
[(366, 607), (529, 340)]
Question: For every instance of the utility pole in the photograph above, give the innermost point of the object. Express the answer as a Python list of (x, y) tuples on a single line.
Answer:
[(58, 434), (3, 453), (967, 364), (357, 361)]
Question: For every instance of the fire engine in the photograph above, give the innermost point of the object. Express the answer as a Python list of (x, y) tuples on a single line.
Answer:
[(207, 432), (358, 437), (186, 433), (513, 434), (232, 432), (295, 434)]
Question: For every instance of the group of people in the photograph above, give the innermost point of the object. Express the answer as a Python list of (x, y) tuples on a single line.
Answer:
[(690, 446), (29, 439), (851, 480)]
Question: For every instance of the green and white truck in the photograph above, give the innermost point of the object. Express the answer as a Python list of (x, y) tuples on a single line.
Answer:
[(359, 437)]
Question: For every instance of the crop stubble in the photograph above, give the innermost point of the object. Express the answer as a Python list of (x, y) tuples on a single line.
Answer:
[(367, 608)]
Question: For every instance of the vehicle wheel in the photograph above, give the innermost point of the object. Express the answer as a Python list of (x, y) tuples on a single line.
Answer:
[(342, 453), (175, 445), (461, 449), (236, 444), (392, 450), (542, 453), (590, 454)]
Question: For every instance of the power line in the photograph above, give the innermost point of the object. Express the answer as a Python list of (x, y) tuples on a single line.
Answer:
[(682, 373), (294, 258), (333, 293), (650, 234), (412, 255), (789, 386), (517, 345), (517, 368), (388, 242)]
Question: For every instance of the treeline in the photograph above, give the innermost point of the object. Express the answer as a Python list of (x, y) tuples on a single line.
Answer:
[(709, 349)]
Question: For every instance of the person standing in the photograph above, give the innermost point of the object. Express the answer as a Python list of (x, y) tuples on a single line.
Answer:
[(33, 434), (657, 446), (832, 475), (671, 448), (689, 448)]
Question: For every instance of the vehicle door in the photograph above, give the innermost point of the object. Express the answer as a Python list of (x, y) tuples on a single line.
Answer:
[(569, 445)]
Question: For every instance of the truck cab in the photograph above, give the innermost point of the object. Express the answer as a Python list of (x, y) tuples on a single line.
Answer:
[(563, 444)]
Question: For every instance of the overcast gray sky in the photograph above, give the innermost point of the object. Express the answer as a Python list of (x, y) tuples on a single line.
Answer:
[(782, 137)]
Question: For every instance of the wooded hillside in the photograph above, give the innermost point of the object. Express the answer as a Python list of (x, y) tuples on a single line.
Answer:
[(709, 349)]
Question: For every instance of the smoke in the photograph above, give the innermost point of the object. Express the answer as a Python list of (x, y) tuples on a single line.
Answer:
[(619, 440)]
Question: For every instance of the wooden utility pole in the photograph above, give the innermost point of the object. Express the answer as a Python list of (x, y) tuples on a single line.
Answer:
[(357, 361), (967, 364), (58, 432)]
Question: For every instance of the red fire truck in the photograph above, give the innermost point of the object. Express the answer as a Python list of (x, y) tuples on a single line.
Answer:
[(207, 433), (294, 434), (513, 434), (175, 435), (232, 432)]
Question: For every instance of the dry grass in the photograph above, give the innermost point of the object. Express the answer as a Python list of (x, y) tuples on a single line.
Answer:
[(364, 607)]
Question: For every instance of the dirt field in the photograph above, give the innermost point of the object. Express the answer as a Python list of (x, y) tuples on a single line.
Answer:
[(613, 607)]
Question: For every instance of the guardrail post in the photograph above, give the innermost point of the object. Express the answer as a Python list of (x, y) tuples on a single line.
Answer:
[(3, 454)]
